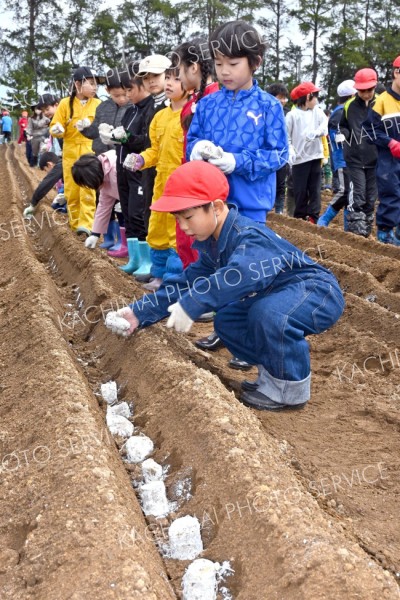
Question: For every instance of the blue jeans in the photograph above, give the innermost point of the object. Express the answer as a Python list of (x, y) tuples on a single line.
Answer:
[(269, 330)]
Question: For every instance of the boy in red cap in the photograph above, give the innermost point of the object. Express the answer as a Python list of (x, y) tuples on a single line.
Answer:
[(306, 126), (266, 293), (359, 155), (383, 128)]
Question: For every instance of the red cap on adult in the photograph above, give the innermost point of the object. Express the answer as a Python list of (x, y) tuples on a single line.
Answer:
[(365, 79), (307, 87), (396, 62), (193, 184)]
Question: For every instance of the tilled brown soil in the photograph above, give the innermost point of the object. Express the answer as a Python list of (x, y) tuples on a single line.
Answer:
[(302, 505)]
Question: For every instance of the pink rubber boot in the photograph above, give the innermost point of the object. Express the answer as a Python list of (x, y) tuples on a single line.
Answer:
[(122, 251)]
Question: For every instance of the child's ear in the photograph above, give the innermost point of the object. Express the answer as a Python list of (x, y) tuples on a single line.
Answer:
[(218, 206)]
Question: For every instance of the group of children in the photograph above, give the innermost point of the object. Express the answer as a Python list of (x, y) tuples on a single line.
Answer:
[(169, 136)]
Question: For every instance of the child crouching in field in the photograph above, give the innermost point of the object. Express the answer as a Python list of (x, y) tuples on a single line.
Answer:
[(267, 294)]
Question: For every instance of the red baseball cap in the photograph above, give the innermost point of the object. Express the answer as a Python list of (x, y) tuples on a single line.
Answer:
[(193, 184), (365, 79), (307, 87), (396, 62)]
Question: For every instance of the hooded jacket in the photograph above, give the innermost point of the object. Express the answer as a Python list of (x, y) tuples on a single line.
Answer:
[(108, 192)]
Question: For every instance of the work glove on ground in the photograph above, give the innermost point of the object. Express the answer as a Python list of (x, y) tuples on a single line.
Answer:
[(122, 322), (56, 129), (82, 124), (226, 163), (179, 320), (133, 162)]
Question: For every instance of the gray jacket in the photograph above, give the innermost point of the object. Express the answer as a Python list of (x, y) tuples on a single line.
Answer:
[(38, 127), (106, 112)]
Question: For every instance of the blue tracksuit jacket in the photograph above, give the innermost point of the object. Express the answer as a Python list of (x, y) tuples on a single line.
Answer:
[(251, 125), (337, 157), (248, 259)]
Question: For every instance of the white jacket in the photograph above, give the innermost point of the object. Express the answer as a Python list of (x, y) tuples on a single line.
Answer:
[(303, 123)]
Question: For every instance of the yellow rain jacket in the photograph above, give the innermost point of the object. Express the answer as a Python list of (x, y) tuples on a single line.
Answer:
[(165, 153), (81, 201)]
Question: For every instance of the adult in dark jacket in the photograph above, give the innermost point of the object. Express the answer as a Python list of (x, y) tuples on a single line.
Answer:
[(359, 155)]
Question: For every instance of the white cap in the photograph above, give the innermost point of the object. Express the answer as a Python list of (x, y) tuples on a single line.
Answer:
[(346, 88), (155, 63)]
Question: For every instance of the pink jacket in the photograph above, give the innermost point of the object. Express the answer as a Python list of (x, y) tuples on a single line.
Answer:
[(108, 192)]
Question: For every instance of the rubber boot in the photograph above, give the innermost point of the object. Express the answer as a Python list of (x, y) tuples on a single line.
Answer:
[(144, 260), (345, 220), (122, 250), (327, 217), (133, 251), (387, 236), (111, 236)]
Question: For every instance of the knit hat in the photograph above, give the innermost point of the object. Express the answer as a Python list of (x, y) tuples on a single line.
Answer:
[(193, 184)]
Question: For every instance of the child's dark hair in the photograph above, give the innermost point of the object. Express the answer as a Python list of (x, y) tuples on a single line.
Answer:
[(115, 79), (47, 157), (303, 99), (205, 207), (343, 99), (133, 78), (196, 51), (237, 39), (87, 172), (278, 89)]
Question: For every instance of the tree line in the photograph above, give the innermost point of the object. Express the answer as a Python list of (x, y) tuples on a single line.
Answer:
[(54, 36)]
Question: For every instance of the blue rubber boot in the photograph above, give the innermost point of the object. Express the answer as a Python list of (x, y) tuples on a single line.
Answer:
[(144, 260), (345, 220), (133, 252), (111, 236), (327, 217), (387, 236)]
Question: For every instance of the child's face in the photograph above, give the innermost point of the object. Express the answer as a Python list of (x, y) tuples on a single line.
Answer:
[(118, 95), (234, 73), (87, 87), (154, 83), (48, 167), (49, 111), (173, 87), (197, 222), (311, 101), (282, 99), (189, 76)]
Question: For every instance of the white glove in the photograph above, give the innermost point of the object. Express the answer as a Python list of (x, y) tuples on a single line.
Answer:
[(133, 162), (29, 137), (200, 147), (105, 133), (117, 323), (340, 138), (60, 199), (311, 135), (56, 129), (179, 319), (292, 155), (226, 163), (82, 124), (325, 161), (28, 212), (119, 135), (91, 241)]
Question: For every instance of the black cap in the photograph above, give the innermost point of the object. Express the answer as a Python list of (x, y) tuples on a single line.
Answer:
[(82, 73), (45, 100)]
